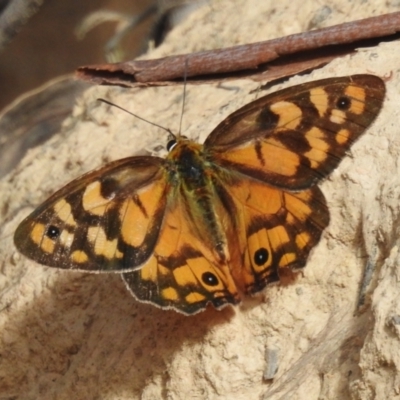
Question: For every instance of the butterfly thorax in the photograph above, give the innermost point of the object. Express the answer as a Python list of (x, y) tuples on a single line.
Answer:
[(187, 165), (192, 179)]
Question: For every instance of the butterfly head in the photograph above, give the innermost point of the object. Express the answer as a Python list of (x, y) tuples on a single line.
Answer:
[(174, 140)]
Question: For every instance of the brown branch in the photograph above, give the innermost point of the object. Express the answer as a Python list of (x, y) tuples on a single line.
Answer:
[(266, 60)]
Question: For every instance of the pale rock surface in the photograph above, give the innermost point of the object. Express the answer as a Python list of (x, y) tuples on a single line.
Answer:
[(67, 335)]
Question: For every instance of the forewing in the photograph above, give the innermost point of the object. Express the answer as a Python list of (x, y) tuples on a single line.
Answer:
[(106, 220), (296, 136)]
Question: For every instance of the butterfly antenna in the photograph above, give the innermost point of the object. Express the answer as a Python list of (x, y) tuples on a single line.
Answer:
[(184, 95), (137, 116)]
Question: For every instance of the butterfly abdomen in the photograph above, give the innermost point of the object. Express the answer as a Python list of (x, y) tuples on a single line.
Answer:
[(194, 178)]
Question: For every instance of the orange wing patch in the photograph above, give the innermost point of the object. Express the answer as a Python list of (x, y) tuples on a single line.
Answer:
[(183, 273), (102, 221), (292, 139), (277, 229)]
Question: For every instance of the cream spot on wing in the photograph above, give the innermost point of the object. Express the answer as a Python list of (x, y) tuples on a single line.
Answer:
[(289, 114), (103, 246), (92, 200), (320, 99), (79, 257), (358, 96), (337, 116), (66, 238), (343, 136), (319, 147), (63, 211)]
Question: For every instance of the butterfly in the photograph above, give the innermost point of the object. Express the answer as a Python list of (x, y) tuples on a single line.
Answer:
[(214, 221)]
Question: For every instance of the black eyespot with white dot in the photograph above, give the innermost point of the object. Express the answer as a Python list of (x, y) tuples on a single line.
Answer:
[(343, 103), (52, 232), (209, 279), (261, 256)]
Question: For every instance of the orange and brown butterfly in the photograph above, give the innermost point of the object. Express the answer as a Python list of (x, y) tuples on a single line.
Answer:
[(211, 221)]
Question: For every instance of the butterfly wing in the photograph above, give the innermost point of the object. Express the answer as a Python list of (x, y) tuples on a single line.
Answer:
[(106, 220), (185, 272), (276, 229), (296, 136), (268, 230), (270, 153)]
